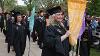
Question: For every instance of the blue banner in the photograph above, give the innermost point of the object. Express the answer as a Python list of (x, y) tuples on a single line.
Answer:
[(31, 20)]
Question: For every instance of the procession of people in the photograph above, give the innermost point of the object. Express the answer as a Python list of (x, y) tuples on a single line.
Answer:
[(50, 31)]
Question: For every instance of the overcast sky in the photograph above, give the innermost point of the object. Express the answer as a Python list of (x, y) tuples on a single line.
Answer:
[(20, 2)]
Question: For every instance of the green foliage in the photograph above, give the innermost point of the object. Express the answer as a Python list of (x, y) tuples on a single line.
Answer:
[(43, 4), (21, 9), (94, 7), (7, 4), (97, 7), (29, 4)]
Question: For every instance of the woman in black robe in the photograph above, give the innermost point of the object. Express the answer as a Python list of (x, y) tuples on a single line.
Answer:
[(9, 37), (19, 37), (56, 35)]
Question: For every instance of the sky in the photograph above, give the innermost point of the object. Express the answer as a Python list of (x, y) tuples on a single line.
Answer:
[(20, 2)]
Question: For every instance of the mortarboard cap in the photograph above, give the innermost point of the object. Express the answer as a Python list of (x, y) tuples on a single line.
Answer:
[(54, 10), (17, 13)]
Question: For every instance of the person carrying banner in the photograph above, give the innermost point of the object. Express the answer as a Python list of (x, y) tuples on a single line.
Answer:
[(55, 41)]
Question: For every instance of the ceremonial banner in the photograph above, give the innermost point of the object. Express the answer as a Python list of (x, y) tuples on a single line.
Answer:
[(76, 9), (31, 20)]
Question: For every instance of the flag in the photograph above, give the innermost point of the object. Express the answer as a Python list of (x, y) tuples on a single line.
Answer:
[(76, 9), (31, 20), (83, 27)]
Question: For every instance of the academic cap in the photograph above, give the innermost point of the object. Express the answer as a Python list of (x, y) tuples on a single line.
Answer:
[(54, 10)]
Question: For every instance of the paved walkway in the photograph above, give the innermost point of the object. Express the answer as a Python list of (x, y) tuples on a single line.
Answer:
[(34, 49)]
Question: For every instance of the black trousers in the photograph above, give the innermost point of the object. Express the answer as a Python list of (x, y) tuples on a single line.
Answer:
[(28, 33), (40, 37), (84, 48), (33, 35), (39, 33), (19, 48), (49, 52), (10, 42)]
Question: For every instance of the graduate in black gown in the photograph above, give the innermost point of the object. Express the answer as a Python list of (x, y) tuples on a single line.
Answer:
[(19, 37), (2, 22), (25, 23), (86, 39), (55, 42), (39, 27), (0, 19), (5, 26), (10, 22)]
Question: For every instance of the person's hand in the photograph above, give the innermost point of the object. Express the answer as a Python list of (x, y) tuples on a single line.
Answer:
[(65, 35)]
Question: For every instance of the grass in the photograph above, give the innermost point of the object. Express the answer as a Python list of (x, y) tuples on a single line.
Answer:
[(94, 52)]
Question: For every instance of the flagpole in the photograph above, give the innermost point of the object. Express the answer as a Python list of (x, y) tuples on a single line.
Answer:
[(78, 50), (73, 48), (72, 51)]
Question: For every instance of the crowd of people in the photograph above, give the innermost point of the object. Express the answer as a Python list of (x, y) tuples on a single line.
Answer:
[(15, 31), (50, 30)]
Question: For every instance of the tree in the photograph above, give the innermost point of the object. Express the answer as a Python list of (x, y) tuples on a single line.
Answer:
[(94, 7), (7, 4), (44, 4), (2, 5), (97, 7), (29, 4), (21, 9)]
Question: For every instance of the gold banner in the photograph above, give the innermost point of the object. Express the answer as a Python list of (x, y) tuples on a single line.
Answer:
[(76, 9)]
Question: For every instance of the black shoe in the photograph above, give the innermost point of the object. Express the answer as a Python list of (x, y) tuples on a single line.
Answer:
[(8, 50)]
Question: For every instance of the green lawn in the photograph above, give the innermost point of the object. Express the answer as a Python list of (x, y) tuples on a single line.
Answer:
[(94, 53)]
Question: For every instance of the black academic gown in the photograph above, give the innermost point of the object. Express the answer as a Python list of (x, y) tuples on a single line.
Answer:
[(19, 39), (85, 42), (25, 23), (9, 37), (2, 23), (52, 42), (39, 27), (0, 20)]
